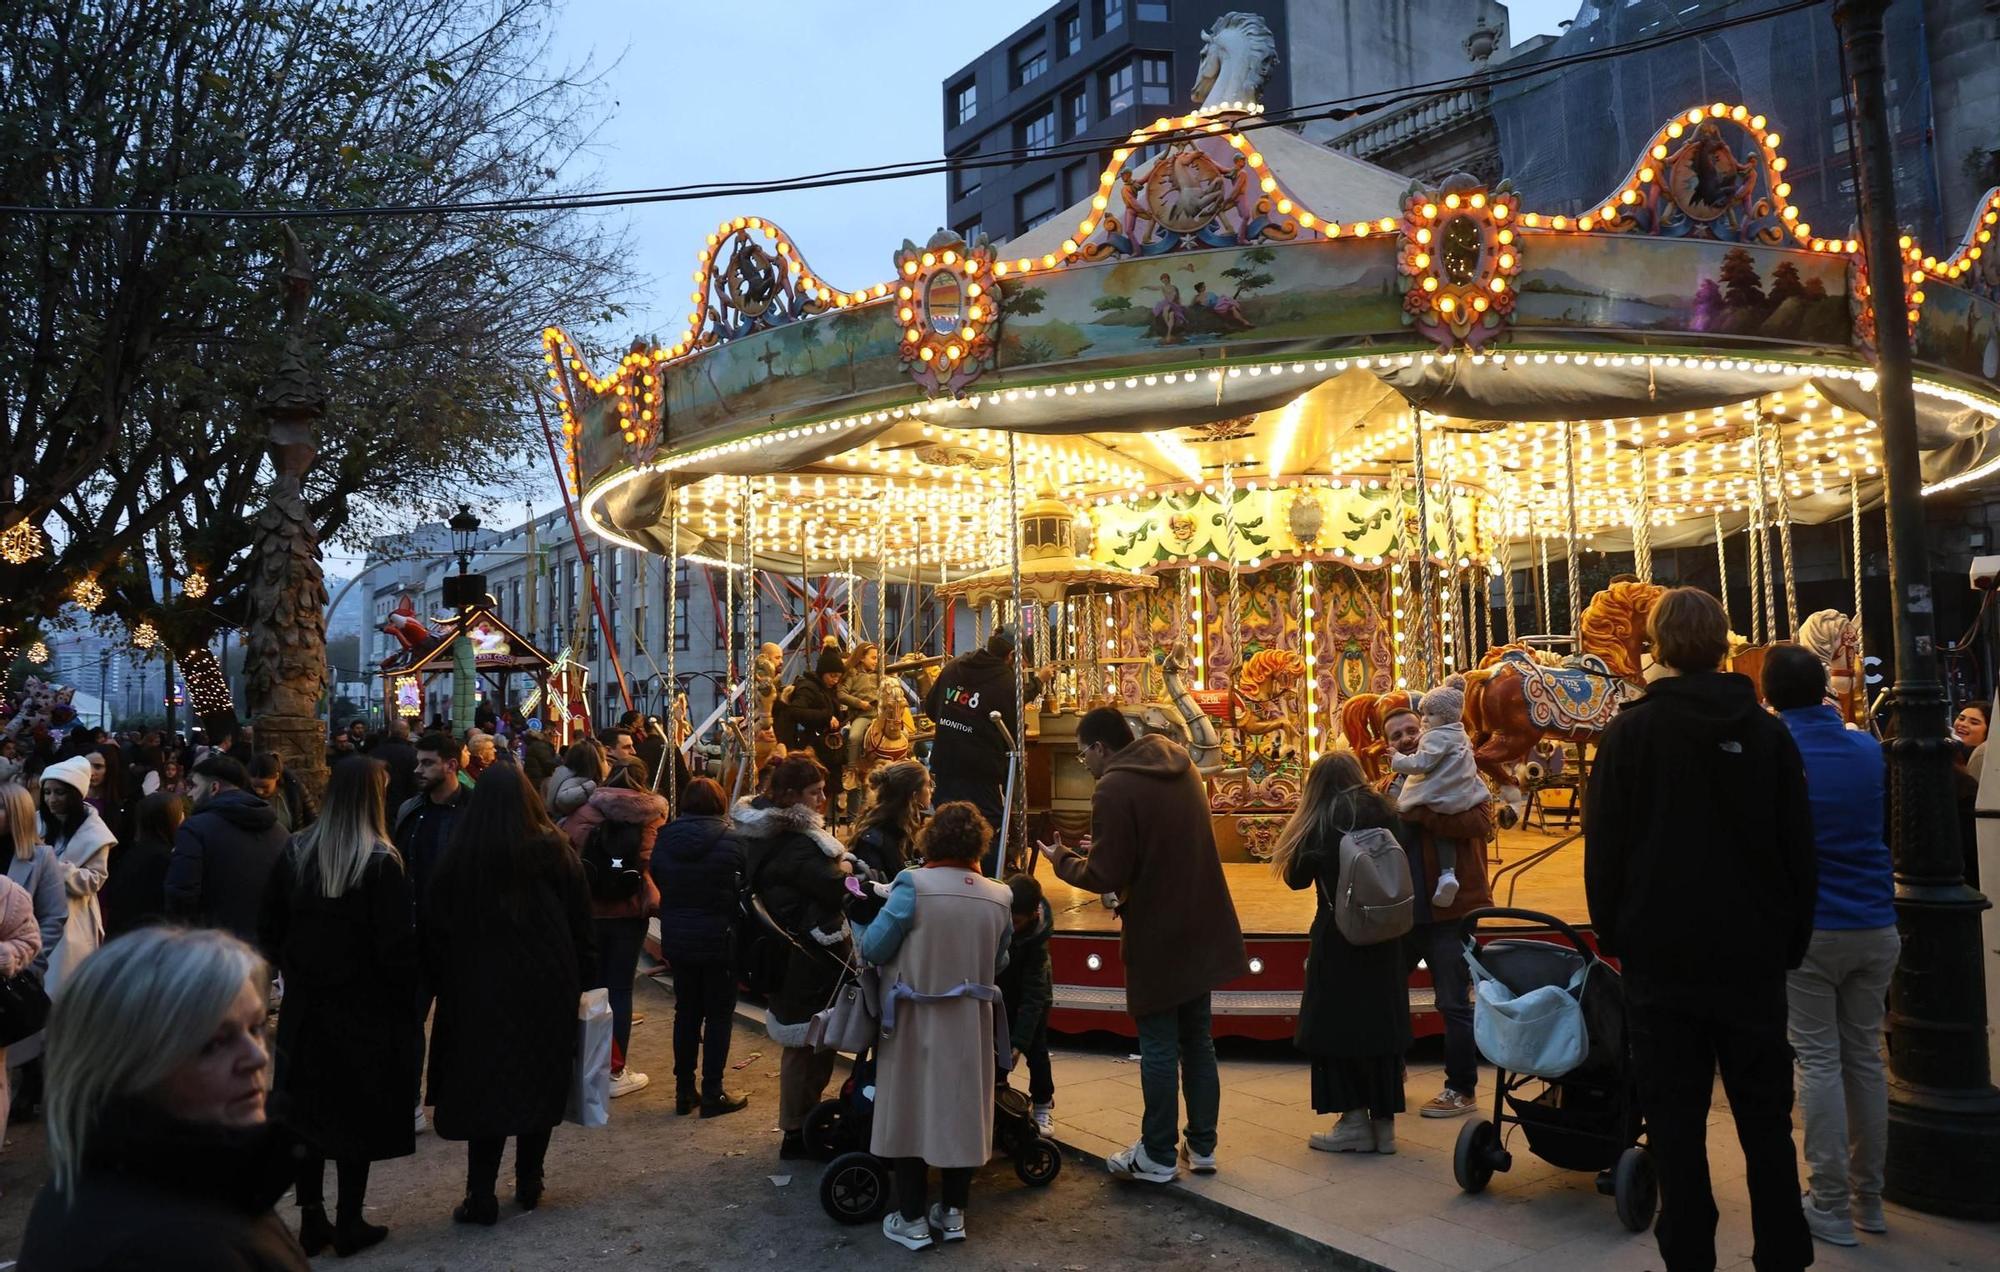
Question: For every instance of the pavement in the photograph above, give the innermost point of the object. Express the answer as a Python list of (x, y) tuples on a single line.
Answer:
[(1406, 1213)]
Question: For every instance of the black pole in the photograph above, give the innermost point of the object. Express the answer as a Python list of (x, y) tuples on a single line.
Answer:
[(1944, 1114)]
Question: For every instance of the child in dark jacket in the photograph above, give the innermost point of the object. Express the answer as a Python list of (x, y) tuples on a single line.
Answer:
[(1027, 986)]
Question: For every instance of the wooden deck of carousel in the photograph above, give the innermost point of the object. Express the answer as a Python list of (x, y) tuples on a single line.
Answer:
[(1536, 870)]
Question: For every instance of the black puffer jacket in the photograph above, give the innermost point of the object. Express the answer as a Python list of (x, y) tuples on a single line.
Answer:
[(799, 872), (168, 1196), (222, 859), (1698, 857), (802, 720), (968, 746), (698, 865)]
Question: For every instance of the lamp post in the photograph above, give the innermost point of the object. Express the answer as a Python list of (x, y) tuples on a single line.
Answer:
[(464, 536), (1944, 1113)]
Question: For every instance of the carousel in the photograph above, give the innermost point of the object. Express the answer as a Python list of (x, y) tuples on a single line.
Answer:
[(1259, 441)]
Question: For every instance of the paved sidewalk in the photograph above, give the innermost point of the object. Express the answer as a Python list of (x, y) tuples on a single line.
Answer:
[(1405, 1212)]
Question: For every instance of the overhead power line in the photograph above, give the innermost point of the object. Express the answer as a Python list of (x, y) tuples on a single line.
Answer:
[(1337, 108)]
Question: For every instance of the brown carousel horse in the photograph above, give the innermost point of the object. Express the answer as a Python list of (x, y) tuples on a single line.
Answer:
[(1519, 696)]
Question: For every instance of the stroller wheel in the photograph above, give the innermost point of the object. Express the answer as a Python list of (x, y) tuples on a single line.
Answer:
[(855, 1188), (1475, 1155), (828, 1129), (1635, 1189), (1039, 1162)]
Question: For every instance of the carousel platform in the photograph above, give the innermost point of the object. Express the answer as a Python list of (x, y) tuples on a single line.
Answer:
[(1537, 870)]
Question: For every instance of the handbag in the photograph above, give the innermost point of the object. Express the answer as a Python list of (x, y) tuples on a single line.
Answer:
[(1540, 1032), (852, 1020), (590, 1083), (24, 1006)]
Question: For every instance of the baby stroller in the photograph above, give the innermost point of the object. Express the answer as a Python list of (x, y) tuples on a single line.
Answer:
[(1586, 1119), (857, 1186)]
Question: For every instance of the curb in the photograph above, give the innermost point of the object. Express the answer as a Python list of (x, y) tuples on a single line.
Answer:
[(1214, 1208)]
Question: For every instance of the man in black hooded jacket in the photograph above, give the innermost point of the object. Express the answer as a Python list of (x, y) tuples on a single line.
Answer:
[(969, 753), (1699, 870)]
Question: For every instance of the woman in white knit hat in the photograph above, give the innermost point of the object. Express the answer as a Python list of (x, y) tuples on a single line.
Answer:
[(82, 844)]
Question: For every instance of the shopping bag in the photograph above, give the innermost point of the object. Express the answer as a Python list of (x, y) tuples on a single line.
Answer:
[(853, 1020), (590, 1086)]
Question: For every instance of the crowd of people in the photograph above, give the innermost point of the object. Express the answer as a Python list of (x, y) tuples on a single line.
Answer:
[(423, 933)]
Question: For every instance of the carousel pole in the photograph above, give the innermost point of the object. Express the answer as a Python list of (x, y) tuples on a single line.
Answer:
[(1425, 678), (1642, 524), (1017, 789), (1785, 538), (1450, 613), (1547, 605), (1569, 534), (670, 762), (1944, 1113), (1764, 540), (1854, 521), (1722, 568), (1503, 547)]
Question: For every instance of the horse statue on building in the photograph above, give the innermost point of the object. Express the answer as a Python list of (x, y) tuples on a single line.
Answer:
[(1237, 53)]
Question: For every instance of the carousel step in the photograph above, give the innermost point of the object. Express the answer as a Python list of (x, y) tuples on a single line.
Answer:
[(1224, 1002)]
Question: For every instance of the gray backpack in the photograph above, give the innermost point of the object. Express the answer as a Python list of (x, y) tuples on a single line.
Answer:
[(1373, 899)]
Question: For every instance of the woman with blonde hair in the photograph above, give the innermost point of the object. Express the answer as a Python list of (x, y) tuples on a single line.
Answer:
[(338, 921), (32, 865), (1354, 1017), (885, 838), (159, 1152)]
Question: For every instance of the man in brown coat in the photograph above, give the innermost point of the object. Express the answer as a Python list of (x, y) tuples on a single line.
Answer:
[(1151, 844), (1435, 937)]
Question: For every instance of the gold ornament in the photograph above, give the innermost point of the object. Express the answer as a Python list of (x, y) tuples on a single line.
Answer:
[(145, 635), (196, 584), (38, 653), (21, 543), (87, 592)]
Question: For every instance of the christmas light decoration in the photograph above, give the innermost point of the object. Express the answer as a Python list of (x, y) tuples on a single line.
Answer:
[(195, 586), (38, 653), (21, 543), (145, 635), (87, 592)]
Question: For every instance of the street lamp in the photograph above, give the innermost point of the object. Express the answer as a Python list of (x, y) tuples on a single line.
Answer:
[(1944, 1113), (464, 534)]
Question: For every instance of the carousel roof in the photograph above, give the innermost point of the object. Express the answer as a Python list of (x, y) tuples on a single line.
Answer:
[(1237, 310)]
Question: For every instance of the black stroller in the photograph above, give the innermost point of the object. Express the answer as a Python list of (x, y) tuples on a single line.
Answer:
[(857, 1186), (1586, 1119)]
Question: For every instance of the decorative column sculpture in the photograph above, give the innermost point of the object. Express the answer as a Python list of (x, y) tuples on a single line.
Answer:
[(285, 637)]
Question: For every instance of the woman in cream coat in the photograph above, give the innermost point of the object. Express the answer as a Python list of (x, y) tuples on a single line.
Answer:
[(82, 844)]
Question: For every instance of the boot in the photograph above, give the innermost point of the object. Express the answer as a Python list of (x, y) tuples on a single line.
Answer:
[(792, 1147), (685, 1099), (722, 1102), (315, 1230), (480, 1210), (1385, 1135), (528, 1191), (353, 1234), (1352, 1134)]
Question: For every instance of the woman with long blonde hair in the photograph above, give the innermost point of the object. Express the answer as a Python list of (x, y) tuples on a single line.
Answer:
[(1354, 1017), (338, 922), (32, 865)]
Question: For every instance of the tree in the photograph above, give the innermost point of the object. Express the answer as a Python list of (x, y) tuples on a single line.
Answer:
[(1111, 304), (1785, 284), (1247, 274), (806, 334), (1742, 286), (1019, 302), (136, 345), (850, 328)]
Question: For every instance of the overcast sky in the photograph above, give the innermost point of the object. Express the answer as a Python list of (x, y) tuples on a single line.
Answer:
[(740, 91)]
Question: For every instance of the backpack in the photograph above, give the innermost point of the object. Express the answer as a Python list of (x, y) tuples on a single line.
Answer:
[(1373, 899), (611, 860)]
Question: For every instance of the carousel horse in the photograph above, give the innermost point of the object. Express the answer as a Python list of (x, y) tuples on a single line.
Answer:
[(1259, 705), (1204, 743), (1835, 640), (1362, 719), (887, 738)]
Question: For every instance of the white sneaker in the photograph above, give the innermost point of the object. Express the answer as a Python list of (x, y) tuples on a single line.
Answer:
[(911, 1234), (1199, 1163), (423, 1123), (627, 1082), (1868, 1215), (948, 1224), (1352, 1134), (1827, 1225), (1045, 1118), (1447, 889), (1134, 1164)]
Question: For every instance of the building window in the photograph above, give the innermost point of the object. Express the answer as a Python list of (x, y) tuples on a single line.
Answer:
[(1076, 112), (1036, 204), (964, 101), (1118, 89), (969, 230), (1153, 11), (966, 181), (1039, 133), (1156, 80), (1110, 15), (1078, 179), (1031, 60), (1070, 25)]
